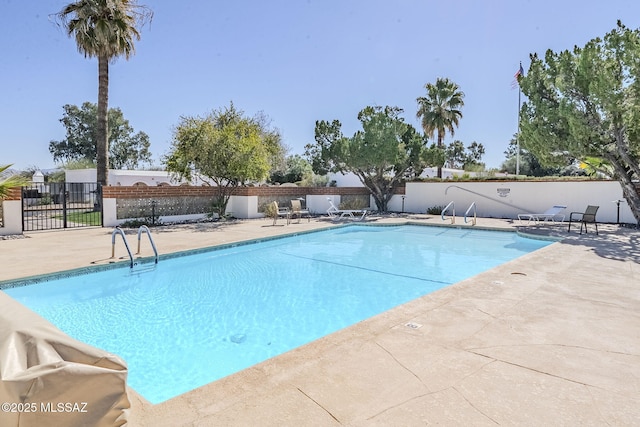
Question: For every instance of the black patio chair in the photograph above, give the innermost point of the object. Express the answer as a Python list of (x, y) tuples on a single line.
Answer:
[(586, 217)]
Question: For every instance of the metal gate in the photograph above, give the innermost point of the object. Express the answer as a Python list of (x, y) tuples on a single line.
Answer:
[(55, 205)]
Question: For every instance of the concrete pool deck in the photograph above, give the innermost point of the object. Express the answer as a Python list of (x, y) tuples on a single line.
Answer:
[(552, 338)]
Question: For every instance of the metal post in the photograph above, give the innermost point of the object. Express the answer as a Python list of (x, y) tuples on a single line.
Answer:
[(518, 75), (64, 205), (518, 134), (403, 203), (617, 202)]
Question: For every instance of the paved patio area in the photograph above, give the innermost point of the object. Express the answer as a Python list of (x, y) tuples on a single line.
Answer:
[(552, 338)]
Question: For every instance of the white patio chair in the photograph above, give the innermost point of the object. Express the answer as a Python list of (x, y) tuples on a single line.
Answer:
[(550, 214), (337, 214)]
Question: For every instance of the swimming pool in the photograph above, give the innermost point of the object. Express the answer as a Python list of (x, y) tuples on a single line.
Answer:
[(195, 319)]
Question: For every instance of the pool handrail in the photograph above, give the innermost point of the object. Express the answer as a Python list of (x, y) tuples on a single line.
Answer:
[(453, 212), (153, 245), (119, 231), (466, 214)]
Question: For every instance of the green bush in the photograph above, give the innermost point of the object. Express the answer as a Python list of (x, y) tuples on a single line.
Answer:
[(146, 218), (353, 203), (435, 210), (270, 210), (45, 199)]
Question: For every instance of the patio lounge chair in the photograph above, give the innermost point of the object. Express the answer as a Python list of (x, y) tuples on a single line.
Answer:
[(296, 209), (586, 217), (281, 212), (337, 214), (550, 214)]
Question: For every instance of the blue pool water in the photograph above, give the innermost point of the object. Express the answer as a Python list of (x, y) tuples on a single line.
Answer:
[(198, 318)]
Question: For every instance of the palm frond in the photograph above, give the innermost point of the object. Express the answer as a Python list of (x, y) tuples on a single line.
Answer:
[(9, 182)]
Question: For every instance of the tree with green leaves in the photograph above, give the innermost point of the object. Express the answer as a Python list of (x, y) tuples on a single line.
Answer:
[(104, 29), (381, 155), (440, 110), (475, 151), (460, 157), (455, 154), (584, 104), (296, 168), (127, 150), (529, 164), (225, 147)]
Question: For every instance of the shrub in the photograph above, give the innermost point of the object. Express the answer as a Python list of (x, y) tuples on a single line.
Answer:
[(354, 203), (435, 210), (138, 222), (270, 210), (45, 199), (150, 219)]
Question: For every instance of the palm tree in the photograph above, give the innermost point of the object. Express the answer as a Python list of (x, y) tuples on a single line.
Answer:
[(105, 29), (440, 110), (9, 181)]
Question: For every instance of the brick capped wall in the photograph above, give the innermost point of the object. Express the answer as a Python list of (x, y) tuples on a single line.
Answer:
[(142, 192), (298, 191), (14, 223), (136, 201), (14, 193), (189, 191)]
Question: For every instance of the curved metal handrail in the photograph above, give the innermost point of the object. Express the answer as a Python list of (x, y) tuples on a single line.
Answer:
[(453, 212), (466, 214), (119, 231), (486, 197), (153, 245)]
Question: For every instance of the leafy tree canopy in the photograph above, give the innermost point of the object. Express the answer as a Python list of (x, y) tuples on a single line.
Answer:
[(226, 147), (295, 169), (585, 104), (126, 149), (384, 152), (459, 157), (530, 165)]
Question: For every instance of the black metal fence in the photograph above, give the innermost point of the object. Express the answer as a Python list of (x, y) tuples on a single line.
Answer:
[(48, 206)]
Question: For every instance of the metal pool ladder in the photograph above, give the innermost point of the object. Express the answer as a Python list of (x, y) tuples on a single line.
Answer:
[(453, 212), (466, 214), (119, 231), (153, 245)]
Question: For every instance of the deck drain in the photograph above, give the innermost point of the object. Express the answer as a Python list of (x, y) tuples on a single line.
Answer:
[(517, 273), (413, 325)]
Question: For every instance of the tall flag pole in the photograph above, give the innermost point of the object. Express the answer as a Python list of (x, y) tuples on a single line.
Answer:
[(517, 75)]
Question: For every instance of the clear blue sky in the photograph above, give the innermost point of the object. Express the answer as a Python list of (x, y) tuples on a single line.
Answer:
[(298, 61)]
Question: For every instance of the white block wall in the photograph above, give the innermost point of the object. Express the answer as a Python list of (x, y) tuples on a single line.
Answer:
[(12, 217), (500, 199)]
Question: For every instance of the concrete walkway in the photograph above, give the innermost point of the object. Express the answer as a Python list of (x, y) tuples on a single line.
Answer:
[(552, 338)]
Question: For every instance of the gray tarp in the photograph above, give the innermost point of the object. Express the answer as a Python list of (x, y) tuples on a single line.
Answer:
[(51, 379)]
